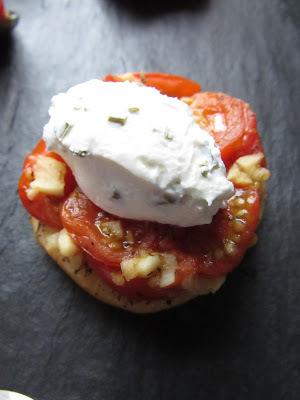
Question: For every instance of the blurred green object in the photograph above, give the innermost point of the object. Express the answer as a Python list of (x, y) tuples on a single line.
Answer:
[(8, 19)]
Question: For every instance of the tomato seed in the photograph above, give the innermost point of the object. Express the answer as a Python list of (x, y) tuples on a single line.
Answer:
[(229, 247)]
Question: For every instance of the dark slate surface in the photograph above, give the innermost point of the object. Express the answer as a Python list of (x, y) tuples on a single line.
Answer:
[(243, 343)]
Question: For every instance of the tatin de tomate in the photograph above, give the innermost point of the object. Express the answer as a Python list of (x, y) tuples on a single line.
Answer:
[(208, 250)]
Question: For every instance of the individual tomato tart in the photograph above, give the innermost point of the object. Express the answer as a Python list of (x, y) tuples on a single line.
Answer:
[(145, 190)]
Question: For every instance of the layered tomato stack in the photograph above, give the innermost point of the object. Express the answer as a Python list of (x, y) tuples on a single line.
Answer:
[(149, 259)]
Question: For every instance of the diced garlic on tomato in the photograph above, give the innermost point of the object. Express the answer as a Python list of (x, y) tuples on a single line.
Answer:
[(168, 270), (111, 228), (250, 162), (140, 266), (238, 177), (117, 278), (128, 267), (49, 177), (148, 264), (248, 170), (163, 266), (66, 244)]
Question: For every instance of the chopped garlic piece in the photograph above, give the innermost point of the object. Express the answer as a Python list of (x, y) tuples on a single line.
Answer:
[(117, 278), (250, 162), (35, 224), (111, 228), (49, 177), (247, 170), (128, 269), (168, 270), (67, 246), (51, 244), (238, 177), (147, 265), (140, 266)]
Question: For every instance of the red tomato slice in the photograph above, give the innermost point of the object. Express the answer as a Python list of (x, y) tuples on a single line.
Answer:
[(2, 10), (231, 122), (171, 85), (45, 208), (208, 250)]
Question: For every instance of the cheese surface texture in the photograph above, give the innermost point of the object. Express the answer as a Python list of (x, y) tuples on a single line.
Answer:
[(138, 154)]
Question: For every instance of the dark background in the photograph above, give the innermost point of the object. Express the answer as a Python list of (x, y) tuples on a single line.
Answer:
[(242, 343)]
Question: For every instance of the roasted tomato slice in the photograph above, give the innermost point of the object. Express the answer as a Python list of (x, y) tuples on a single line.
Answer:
[(2, 10), (208, 250), (231, 122), (43, 207), (171, 85)]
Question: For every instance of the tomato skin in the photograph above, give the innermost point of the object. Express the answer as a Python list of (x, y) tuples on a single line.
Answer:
[(112, 78), (44, 208), (240, 136), (2, 10), (171, 85)]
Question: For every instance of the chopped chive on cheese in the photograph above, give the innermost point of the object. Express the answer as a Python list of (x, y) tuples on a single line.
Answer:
[(117, 120), (168, 136), (116, 195), (133, 109), (81, 153), (66, 131)]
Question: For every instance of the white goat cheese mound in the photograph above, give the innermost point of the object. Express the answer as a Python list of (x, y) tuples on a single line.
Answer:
[(137, 153)]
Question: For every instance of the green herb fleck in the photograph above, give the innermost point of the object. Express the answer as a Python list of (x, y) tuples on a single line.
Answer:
[(167, 198), (66, 131), (215, 166), (81, 153), (78, 108), (204, 173), (117, 120), (168, 136), (133, 109), (116, 195)]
